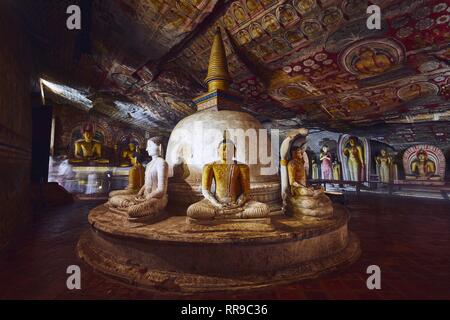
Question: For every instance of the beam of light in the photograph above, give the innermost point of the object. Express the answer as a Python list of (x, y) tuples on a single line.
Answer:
[(69, 93)]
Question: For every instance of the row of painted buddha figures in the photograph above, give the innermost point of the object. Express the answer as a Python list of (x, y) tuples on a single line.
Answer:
[(146, 194)]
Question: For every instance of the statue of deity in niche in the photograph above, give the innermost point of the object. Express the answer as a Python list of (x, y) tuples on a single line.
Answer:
[(229, 22), (152, 197), (231, 197), (326, 169), (336, 170), (286, 14), (305, 201), (355, 159), (372, 63), (136, 178), (423, 167), (384, 161), (88, 150), (314, 170), (270, 23), (256, 31)]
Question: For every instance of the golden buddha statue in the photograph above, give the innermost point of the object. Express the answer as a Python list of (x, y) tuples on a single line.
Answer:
[(422, 167), (372, 63), (355, 160), (126, 157), (305, 201), (88, 150), (231, 197), (136, 178)]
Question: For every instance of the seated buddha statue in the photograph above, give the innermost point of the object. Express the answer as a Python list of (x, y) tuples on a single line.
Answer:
[(305, 201), (136, 178), (127, 155), (231, 197), (422, 167), (151, 199), (88, 150)]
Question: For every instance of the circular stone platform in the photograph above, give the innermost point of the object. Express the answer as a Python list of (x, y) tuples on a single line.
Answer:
[(166, 256)]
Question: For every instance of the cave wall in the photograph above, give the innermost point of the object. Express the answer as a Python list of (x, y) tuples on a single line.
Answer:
[(15, 125)]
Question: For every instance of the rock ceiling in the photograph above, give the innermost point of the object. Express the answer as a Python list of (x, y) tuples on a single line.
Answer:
[(296, 62)]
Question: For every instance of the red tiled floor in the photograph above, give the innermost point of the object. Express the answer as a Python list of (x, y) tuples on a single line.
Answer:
[(408, 238)]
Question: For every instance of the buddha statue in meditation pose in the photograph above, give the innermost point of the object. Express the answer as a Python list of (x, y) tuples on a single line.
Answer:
[(231, 197), (136, 178), (305, 201), (422, 167), (151, 199), (88, 150)]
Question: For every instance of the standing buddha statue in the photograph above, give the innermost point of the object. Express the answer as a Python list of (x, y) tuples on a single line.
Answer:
[(384, 166), (355, 160)]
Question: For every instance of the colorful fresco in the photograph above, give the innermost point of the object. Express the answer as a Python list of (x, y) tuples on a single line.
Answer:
[(314, 60)]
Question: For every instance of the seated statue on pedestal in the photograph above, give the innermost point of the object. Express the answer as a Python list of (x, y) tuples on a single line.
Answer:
[(305, 201), (88, 150), (231, 198), (152, 197), (423, 167), (136, 178)]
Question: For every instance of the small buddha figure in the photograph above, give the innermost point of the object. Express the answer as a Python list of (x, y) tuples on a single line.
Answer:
[(87, 149), (151, 199), (355, 160), (383, 162), (422, 167), (325, 157), (136, 178), (305, 201), (231, 197), (127, 155)]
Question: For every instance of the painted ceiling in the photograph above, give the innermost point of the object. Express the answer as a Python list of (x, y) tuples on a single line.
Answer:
[(296, 62)]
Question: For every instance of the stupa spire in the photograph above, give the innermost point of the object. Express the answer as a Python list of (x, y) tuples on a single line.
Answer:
[(218, 76)]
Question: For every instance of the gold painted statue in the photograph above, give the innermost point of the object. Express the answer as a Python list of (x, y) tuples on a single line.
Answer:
[(422, 167), (305, 201), (152, 198), (384, 161), (355, 159), (88, 150), (136, 178), (126, 157), (231, 197)]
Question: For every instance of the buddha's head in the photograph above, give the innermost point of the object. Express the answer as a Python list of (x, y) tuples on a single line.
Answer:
[(383, 152), (226, 150), (131, 146), (352, 141), (297, 153), (154, 147), (88, 132), (422, 155), (325, 148)]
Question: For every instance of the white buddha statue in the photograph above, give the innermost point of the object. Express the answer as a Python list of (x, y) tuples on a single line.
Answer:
[(152, 197)]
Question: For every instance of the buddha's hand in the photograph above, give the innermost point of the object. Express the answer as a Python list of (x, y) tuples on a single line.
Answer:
[(241, 200)]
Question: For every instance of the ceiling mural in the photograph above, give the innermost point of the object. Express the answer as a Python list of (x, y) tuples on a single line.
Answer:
[(296, 62)]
